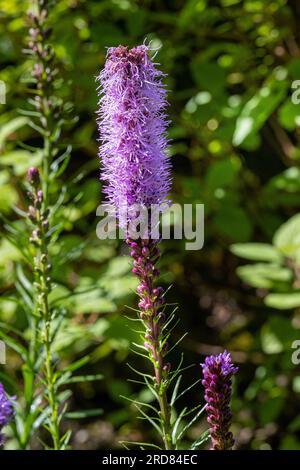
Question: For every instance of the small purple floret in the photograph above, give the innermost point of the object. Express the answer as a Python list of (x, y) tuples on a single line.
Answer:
[(33, 176)]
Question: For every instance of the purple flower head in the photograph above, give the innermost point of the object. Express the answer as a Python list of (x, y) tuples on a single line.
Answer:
[(132, 125), (217, 372), (6, 411)]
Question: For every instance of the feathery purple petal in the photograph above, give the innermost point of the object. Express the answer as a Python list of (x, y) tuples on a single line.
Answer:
[(132, 125)]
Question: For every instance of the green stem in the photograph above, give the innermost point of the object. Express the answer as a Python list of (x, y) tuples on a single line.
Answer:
[(166, 416), (45, 311), (30, 383), (147, 254), (162, 392), (51, 389), (46, 160)]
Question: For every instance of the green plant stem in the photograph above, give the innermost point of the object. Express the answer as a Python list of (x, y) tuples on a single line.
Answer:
[(146, 254), (166, 416), (46, 160), (45, 312), (162, 392), (51, 389), (31, 369)]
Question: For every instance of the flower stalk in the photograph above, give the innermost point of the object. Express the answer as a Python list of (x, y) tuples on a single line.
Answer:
[(44, 71), (47, 115), (38, 215), (145, 253), (136, 172)]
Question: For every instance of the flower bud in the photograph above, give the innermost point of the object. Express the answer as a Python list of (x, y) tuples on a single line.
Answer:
[(33, 176)]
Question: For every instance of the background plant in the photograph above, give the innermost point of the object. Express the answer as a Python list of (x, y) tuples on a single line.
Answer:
[(235, 147), (41, 402)]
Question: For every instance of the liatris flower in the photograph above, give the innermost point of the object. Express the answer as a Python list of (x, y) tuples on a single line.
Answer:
[(6, 411), (218, 371), (132, 128), (136, 171), (132, 125)]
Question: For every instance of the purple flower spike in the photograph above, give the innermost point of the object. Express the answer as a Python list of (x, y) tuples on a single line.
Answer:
[(6, 412), (132, 126), (217, 372)]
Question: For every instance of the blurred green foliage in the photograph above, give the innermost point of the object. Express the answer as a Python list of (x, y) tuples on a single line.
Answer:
[(235, 148)]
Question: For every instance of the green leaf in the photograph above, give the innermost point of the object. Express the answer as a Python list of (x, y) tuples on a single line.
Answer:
[(24, 281), (142, 444), (151, 420), (289, 115), (256, 251), (258, 109), (209, 75), (29, 376), (222, 174), (264, 275), (203, 438), (283, 301), (84, 414), (294, 68), (11, 127), (287, 237), (64, 440), (21, 160), (277, 335), (176, 425), (77, 364), (175, 391), (270, 343), (190, 423), (14, 344), (8, 198), (288, 181), (83, 378)]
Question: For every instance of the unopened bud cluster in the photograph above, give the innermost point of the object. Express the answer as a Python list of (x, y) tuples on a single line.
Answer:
[(145, 254), (39, 219), (43, 70)]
